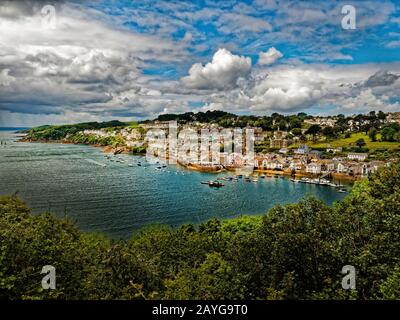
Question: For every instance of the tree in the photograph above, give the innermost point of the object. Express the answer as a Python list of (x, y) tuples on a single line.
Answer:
[(342, 123), (314, 130), (296, 131), (295, 122), (381, 115), (282, 125), (372, 134), (360, 143), (329, 132), (389, 131)]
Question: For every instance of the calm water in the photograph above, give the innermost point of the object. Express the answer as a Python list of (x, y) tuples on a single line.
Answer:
[(117, 199)]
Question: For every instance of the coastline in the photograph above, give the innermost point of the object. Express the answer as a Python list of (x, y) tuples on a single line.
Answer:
[(195, 167), (105, 149)]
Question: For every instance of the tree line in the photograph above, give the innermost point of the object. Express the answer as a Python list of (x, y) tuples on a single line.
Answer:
[(295, 251)]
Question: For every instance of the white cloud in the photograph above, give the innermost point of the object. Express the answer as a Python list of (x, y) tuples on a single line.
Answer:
[(5, 78), (84, 60), (393, 44), (231, 23), (294, 88), (222, 72), (269, 57), (366, 101)]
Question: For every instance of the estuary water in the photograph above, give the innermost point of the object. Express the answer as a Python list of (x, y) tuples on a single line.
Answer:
[(118, 198)]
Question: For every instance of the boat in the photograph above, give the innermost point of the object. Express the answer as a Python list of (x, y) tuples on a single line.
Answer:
[(304, 180), (342, 190), (213, 183), (295, 180), (139, 164), (262, 176)]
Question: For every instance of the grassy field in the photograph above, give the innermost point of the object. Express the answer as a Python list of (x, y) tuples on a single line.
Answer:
[(351, 142)]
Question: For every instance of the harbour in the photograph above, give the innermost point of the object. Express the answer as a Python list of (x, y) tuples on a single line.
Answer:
[(128, 192)]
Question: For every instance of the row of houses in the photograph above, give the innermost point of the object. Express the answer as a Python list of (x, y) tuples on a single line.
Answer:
[(316, 166)]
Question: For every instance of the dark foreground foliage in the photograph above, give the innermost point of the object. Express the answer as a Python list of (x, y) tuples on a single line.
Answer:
[(295, 251)]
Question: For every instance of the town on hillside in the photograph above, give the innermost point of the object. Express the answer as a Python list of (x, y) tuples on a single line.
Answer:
[(305, 145)]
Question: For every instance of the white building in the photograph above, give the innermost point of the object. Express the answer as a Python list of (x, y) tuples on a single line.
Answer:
[(314, 168), (357, 156), (302, 150)]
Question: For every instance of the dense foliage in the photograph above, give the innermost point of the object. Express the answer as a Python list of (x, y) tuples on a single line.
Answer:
[(294, 252), (60, 132)]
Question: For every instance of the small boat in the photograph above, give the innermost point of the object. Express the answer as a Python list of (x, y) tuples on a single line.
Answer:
[(212, 183), (262, 176), (295, 180), (139, 164), (342, 190), (216, 184)]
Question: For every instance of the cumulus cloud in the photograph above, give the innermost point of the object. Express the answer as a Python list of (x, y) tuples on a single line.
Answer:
[(222, 72), (124, 61), (381, 78), (82, 61), (366, 101), (294, 88), (269, 57)]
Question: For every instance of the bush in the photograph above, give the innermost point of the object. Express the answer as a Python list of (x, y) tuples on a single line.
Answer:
[(295, 251)]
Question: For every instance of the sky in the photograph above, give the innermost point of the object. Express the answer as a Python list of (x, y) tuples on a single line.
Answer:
[(75, 61)]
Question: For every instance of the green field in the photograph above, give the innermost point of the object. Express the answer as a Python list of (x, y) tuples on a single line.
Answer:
[(351, 142)]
